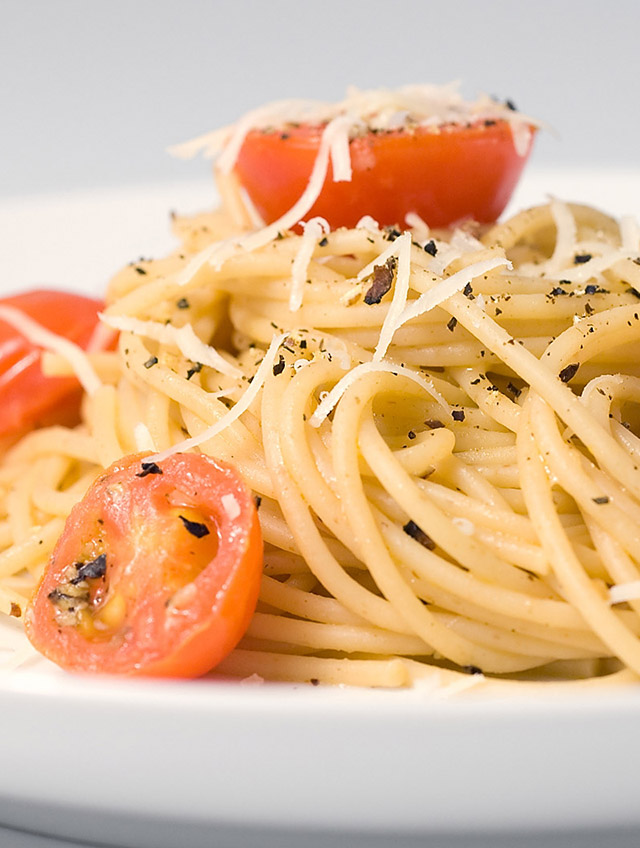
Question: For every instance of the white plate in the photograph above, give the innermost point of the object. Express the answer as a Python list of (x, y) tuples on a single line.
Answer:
[(167, 764)]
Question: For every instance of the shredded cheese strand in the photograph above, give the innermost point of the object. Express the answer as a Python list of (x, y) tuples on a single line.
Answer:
[(331, 398), (238, 409), (68, 350), (448, 287), (184, 338), (312, 231)]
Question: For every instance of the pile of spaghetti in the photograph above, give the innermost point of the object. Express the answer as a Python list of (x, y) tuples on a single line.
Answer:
[(442, 435)]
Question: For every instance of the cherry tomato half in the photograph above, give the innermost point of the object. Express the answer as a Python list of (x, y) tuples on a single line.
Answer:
[(28, 399), (446, 175), (157, 571)]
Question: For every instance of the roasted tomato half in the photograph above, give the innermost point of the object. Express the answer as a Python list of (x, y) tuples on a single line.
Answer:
[(157, 571), (443, 174), (28, 398)]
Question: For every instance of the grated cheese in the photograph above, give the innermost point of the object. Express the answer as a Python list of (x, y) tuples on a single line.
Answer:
[(312, 231), (330, 400), (230, 506), (464, 525), (623, 592), (566, 232), (143, 438), (68, 350), (400, 294), (184, 338), (238, 409), (446, 288), (630, 233), (420, 228), (368, 223), (331, 144), (374, 109)]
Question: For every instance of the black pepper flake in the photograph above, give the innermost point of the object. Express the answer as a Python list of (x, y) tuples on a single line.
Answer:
[(433, 424), (558, 290), (195, 527), (602, 499), (515, 391), (430, 248), (303, 344), (498, 311), (139, 270), (257, 500), (467, 291), (581, 258), (314, 681), (149, 468), (153, 360), (323, 241), (569, 372), (592, 289), (490, 123), (91, 570), (458, 414), (381, 282), (451, 324), (411, 434), (183, 303), (392, 233), (195, 369), (417, 533), (278, 368), (589, 310), (511, 105)]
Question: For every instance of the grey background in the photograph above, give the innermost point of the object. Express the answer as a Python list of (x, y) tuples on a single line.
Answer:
[(92, 92)]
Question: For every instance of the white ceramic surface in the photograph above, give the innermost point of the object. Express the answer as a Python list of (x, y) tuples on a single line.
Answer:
[(157, 764)]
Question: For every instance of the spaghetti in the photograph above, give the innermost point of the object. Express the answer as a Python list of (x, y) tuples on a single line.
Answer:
[(442, 433)]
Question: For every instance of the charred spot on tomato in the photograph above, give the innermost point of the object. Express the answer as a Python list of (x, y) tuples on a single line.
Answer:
[(91, 570), (149, 468), (132, 589), (76, 590), (196, 528)]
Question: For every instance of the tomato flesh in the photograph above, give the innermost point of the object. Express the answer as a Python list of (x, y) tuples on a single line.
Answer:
[(174, 558), (444, 174), (28, 398)]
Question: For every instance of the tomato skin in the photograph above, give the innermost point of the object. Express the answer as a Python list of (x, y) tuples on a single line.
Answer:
[(135, 521), (28, 398), (444, 176)]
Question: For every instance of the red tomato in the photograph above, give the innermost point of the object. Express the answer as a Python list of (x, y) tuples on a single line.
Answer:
[(157, 571), (446, 175), (28, 399)]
